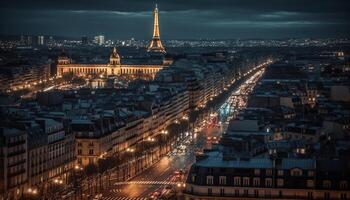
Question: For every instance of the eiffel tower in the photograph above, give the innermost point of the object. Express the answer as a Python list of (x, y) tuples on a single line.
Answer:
[(156, 44)]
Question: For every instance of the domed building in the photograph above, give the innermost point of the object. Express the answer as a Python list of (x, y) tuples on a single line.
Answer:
[(115, 65), (114, 59)]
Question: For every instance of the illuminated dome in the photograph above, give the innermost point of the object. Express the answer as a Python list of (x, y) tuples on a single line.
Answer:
[(63, 58), (114, 59)]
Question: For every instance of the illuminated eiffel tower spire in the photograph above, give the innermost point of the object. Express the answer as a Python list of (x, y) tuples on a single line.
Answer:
[(156, 44)]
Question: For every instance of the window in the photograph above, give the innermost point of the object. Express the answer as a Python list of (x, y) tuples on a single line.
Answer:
[(269, 172), (296, 172), (280, 194), (256, 182), (79, 152), (193, 178), (327, 195), (326, 184), (310, 173), (267, 193), (268, 182), (91, 144), (280, 182), (237, 181), (210, 180), (310, 195), (280, 172), (245, 193), (310, 183), (246, 181), (80, 144), (236, 193), (343, 196), (222, 192), (343, 185), (256, 193), (222, 180), (210, 191), (257, 171), (91, 152)]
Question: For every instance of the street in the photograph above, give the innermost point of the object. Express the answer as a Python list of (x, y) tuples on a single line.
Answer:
[(166, 177)]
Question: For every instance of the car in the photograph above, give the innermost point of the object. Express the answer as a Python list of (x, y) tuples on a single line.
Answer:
[(168, 187), (155, 195), (177, 173)]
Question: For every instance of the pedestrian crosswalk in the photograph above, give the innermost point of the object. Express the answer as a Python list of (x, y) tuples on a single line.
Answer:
[(115, 190), (146, 183), (124, 198)]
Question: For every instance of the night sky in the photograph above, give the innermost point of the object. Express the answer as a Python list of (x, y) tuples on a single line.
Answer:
[(179, 19)]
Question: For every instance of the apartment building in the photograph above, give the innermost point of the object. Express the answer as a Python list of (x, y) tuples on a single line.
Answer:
[(220, 177), (13, 162)]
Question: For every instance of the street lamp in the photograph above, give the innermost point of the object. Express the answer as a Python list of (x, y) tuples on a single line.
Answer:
[(78, 167), (32, 191), (149, 139), (58, 181)]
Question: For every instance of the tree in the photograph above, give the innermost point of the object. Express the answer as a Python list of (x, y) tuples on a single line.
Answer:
[(91, 169)]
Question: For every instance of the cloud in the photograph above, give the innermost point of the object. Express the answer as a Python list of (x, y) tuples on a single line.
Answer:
[(178, 18)]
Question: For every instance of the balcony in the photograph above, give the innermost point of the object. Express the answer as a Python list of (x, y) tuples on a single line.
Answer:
[(12, 144), (16, 153)]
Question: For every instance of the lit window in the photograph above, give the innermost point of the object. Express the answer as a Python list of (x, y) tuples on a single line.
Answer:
[(268, 182), (246, 181), (237, 181), (210, 180), (256, 182), (296, 172), (222, 180)]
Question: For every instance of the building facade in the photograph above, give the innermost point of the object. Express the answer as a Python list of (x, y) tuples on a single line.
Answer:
[(267, 179), (13, 157), (114, 67)]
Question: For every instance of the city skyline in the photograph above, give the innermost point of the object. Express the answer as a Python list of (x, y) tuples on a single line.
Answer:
[(221, 20), (174, 100)]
